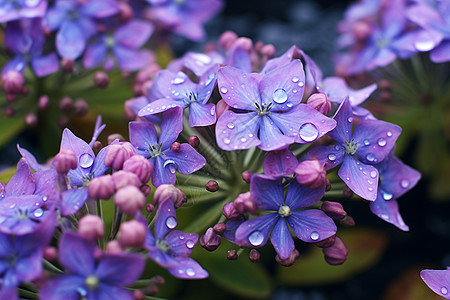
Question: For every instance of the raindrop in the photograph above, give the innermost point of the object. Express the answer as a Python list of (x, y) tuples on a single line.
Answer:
[(295, 79), (337, 147), (171, 222), (243, 140), (181, 237), (44, 198), (170, 163), (177, 80), (86, 160), (369, 181), (12, 205), (348, 178), (373, 174), (176, 93), (190, 272), (387, 196), (300, 84), (444, 290), (366, 142), (180, 271), (314, 235), (227, 141), (331, 156), (250, 135), (230, 125), (308, 132), (190, 244), (384, 216), (370, 189), (404, 183), (256, 238), (82, 291), (289, 104), (279, 96), (294, 91), (38, 212), (224, 90), (381, 142), (2, 219), (424, 45), (213, 110), (350, 119), (389, 133), (370, 157)]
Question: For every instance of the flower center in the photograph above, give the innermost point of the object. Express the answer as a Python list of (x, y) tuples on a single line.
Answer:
[(263, 109), (350, 147), (284, 211), (162, 245), (191, 97), (155, 150), (92, 281), (110, 41)]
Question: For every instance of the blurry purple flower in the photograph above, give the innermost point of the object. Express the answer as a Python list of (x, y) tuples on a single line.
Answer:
[(438, 281), (185, 17), (76, 23), (88, 277), (26, 40), (311, 225), (124, 44), (197, 62), (369, 144), (21, 9), (266, 109), (396, 178), (176, 89), (171, 248), (144, 138)]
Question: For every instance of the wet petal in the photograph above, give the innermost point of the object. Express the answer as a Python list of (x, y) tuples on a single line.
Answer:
[(188, 269), (237, 131), (330, 156), (311, 225), (171, 126), (359, 177), (267, 192), (134, 34), (282, 60), (441, 53), (70, 40), (73, 200), (397, 178), (120, 269), (255, 232), (45, 65), (282, 240), (181, 243), (143, 135), (62, 287), (99, 168), (271, 136), (387, 210), (159, 106), (280, 163), (165, 218), (337, 90), (76, 254), (187, 160), (22, 182), (202, 114), (95, 54), (438, 281), (164, 172), (298, 196), (344, 119)]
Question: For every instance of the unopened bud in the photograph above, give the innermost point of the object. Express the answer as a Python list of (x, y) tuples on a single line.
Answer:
[(212, 186), (221, 107), (138, 294), (311, 174), (268, 51), (169, 192), (43, 102), (50, 253), (158, 280), (91, 227), (114, 247), (254, 255), (149, 208), (115, 156), (9, 111), (288, 261), (130, 200), (336, 254), (320, 102), (232, 254), (246, 176), (101, 79), (31, 120), (210, 240), (227, 39), (67, 65), (146, 189), (194, 141), (325, 243), (220, 228), (347, 192), (125, 178), (80, 107), (230, 212), (64, 161), (101, 187), (244, 203), (140, 166), (348, 221), (132, 234), (13, 82), (65, 104), (97, 145), (334, 209), (175, 146)]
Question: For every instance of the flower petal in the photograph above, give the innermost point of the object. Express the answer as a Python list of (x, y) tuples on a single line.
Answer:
[(266, 191), (344, 119), (387, 210), (120, 269), (99, 8), (130, 59), (73, 200), (282, 240), (441, 53), (187, 160), (110, 292), (76, 254), (142, 136), (171, 126), (188, 269), (164, 172), (271, 136), (330, 156), (21, 183), (255, 232), (280, 163), (63, 287), (70, 40), (181, 243), (95, 54), (237, 131), (438, 281), (45, 65), (134, 33), (298, 196), (202, 114), (165, 219), (311, 225), (359, 177)]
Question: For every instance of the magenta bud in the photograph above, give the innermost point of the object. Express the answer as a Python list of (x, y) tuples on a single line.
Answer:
[(336, 254), (97, 145), (221, 107), (50, 253), (334, 209), (347, 192), (31, 120), (67, 65), (102, 187), (325, 243), (244, 203), (232, 254), (132, 234), (115, 136), (194, 141), (91, 227), (311, 174), (254, 255), (361, 30), (246, 176), (115, 156), (149, 208), (140, 166), (244, 43), (13, 82), (114, 247), (158, 280), (65, 104), (327, 185), (175, 146), (227, 39), (64, 161), (348, 221), (43, 102), (220, 228), (138, 294), (146, 190), (230, 212), (80, 107), (320, 102), (288, 261), (210, 240), (125, 178), (169, 192), (125, 12), (130, 200), (63, 121), (212, 186), (101, 79), (268, 51), (9, 111), (10, 98)]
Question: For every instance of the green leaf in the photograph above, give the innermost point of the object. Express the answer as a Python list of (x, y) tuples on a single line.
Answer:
[(10, 127), (365, 247)]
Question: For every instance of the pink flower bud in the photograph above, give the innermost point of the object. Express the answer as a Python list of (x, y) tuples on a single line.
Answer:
[(361, 30), (244, 43), (65, 160), (115, 156), (115, 136), (140, 166), (212, 186), (268, 51), (336, 254), (50, 253), (146, 189), (13, 82), (227, 39), (175, 146), (221, 107), (130, 200), (246, 176), (125, 178), (102, 187), (325, 243), (114, 247), (169, 192), (288, 261), (132, 234), (230, 212), (244, 203), (348, 221), (80, 107), (101, 79), (220, 228), (194, 141), (254, 255), (320, 102), (125, 12), (65, 104), (43, 102), (67, 65), (138, 294), (91, 227), (31, 120), (97, 145), (232, 254), (334, 209), (311, 174), (210, 240)]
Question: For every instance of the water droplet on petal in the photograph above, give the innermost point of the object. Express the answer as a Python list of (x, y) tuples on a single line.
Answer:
[(384, 216), (12, 205), (404, 183), (366, 142), (295, 79), (256, 238), (332, 157), (301, 83), (369, 181), (444, 290), (82, 291), (190, 272), (348, 178), (190, 244), (38, 212), (230, 125), (381, 142), (389, 133), (45, 198), (171, 222), (289, 104), (279, 96), (213, 110), (2, 219), (177, 80), (370, 189), (86, 160), (308, 132), (223, 90), (350, 119), (227, 141), (181, 237), (314, 235), (171, 164), (387, 196), (243, 140), (370, 157), (373, 174)]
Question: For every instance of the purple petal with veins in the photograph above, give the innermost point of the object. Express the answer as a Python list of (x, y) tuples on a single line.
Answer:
[(311, 225), (359, 177), (280, 163), (266, 192), (282, 240)]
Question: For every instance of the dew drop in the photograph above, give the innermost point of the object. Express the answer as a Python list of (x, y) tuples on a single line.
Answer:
[(404, 183), (348, 178), (250, 135), (389, 133), (181, 237), (45, 198), (190, 244), (212, 111), (171, 222), (370, 181), (384, 216), (224, 90), (243, 140), (279, 96), (366, 142), (350, 119), (444, 290), (301, 83), (381, 142), (190, 272), (256, 238), (81, 291), (387, 196), (424, 45), (289, 104), (12, 205), (308, 132), (230, 125), (373, 174), (370, 189), (295, 79), (332, 157), (176, 93), (38, 212), (314, 235), (370, 157), (227, 141), (177, 80), (86, 160), (294, 91)]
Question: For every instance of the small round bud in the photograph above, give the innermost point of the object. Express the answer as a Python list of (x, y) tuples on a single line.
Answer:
[(114, 247), (31, 120), (348, 221), (347, 192), (244, 43), (232, 254), (334, 209), (288, 261), (146, 189), (50, 253), (97, 145), (194, 141), (125, 178), (227, 39), (9, 111), (138, 294), (254, 255), (220, 228), (311, 174), (80, 107), (175, 146), (149, 208), (244, 203), (328, 242), (13, 82), (43, 102), (102, 187), (140, 166), (132, 234), (130, 200), (336, 254), (64, 161), (169, 192), (158, 280), (101, 79), (268, 51), (230, 212), (67, 65), (115, 156), (361, 30), (246, 176), (212, 186), (91, 227), (65, 104), (320, 102)]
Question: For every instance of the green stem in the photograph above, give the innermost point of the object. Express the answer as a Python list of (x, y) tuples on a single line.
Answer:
[(49, 266)]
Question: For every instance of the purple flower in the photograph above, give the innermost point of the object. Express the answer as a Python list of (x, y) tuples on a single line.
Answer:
[(311, 225), (266, 109), (144, 138), (396, 178), (176, 89), (197, 62), (370, 143), (280, 163), (87, 276), (27, 200), (438, 281), (15, 10), (124, 44), (76, 23), (26, 40), (171, 248)]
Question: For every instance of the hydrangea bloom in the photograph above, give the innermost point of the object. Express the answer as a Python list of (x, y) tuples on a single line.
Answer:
[(266, 109), (370, 143), (438, 281), (311, 225), (144, 138), (21, 9), (88, 276)]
